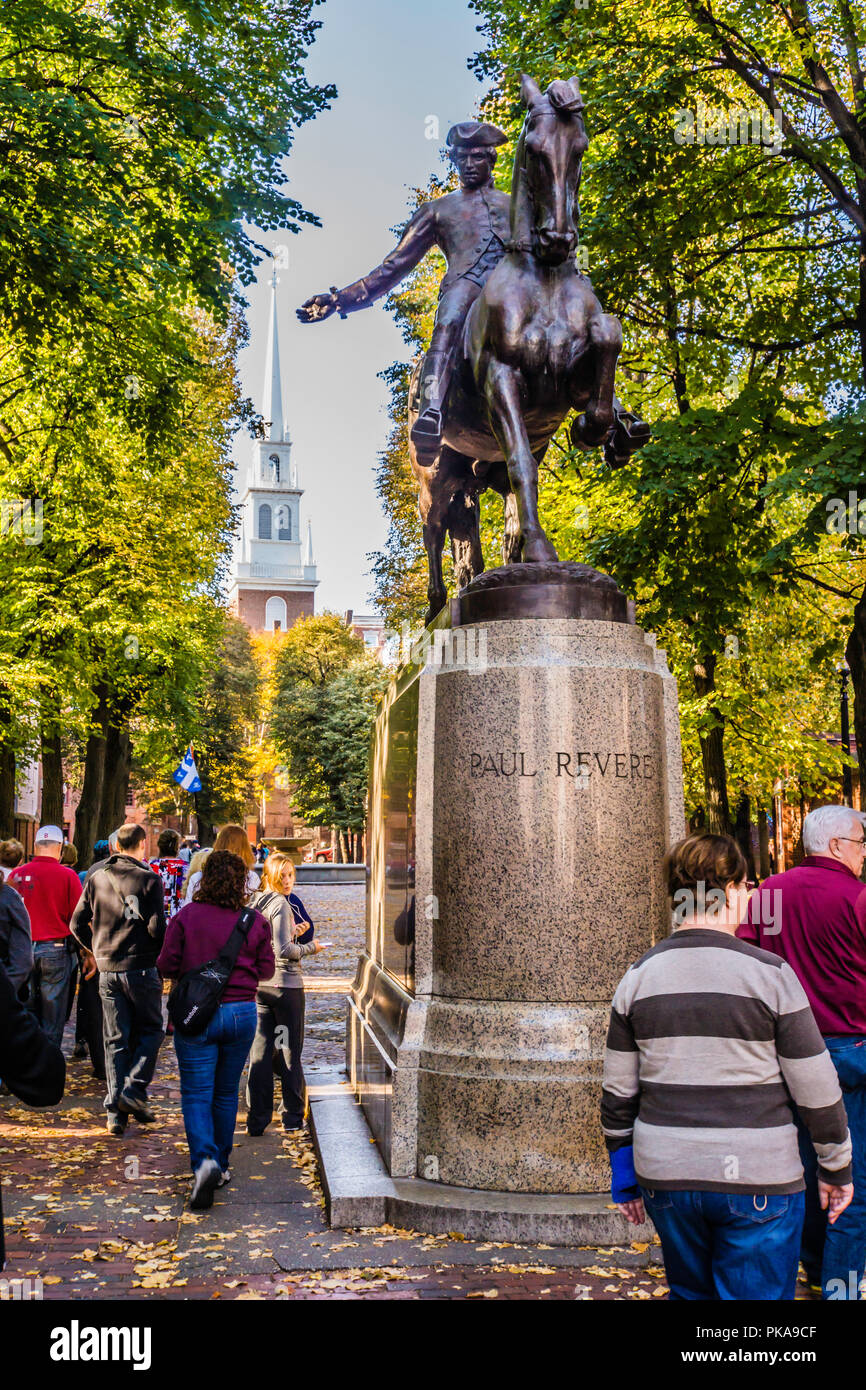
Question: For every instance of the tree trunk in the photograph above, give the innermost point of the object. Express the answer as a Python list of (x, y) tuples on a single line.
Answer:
[(713, 752), (7, 791), (743, 833), (799, 851), (7, 767), (855, 654), (51, 812), (344, 848), (115, 785), (763, 843), (861, 313), (205, 832), (87, 813), (338, 847)]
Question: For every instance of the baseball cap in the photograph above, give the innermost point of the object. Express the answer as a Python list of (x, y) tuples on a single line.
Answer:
[(49, 835)]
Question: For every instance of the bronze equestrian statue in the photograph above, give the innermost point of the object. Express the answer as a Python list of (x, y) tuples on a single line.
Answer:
[(519, 341)]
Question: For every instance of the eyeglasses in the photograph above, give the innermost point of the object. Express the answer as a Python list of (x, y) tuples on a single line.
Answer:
[(860, 843)]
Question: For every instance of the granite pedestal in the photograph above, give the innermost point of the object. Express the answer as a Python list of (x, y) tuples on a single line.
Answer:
[(525, 783)]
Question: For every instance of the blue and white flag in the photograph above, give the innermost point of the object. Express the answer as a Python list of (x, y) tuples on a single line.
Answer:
[(187, 774)]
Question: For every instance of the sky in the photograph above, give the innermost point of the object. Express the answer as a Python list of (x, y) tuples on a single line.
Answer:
[(395, 64)]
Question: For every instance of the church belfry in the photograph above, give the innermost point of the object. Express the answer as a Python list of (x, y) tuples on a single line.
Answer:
[(274, 575)]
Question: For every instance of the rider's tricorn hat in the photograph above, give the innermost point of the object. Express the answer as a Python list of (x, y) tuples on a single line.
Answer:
[(471, 134)]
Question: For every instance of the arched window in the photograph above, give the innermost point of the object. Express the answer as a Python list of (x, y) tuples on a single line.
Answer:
[(284, 524), (274, 461), (264, 522), (275, 614)]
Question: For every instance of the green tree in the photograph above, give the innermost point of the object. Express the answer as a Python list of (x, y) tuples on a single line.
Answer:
[(322, 707), (313, 651), (224, 716), (324, 734), (138, 145)]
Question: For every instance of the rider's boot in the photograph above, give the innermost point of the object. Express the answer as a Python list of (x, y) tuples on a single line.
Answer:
[(427, 429)]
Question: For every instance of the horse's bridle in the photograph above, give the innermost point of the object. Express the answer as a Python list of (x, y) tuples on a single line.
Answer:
[(523, 244)]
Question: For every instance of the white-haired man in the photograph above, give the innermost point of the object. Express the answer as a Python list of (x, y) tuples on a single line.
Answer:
[(821, 933)]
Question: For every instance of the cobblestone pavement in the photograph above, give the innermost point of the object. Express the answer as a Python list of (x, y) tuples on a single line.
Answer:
[(97, 1217)]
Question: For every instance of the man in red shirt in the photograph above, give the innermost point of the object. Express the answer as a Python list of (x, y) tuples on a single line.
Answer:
[(50, 891), (814, 917)]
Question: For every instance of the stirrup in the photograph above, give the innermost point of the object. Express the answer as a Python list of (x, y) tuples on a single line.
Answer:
[(428, 425)]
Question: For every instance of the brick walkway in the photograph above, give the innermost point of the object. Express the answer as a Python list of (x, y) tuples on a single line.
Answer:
[(96, 1217)]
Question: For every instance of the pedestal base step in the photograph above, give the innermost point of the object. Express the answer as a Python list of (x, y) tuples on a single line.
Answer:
[(359, 1191)]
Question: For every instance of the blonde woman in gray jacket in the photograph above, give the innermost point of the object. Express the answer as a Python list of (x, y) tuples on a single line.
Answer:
[(279, 1036)]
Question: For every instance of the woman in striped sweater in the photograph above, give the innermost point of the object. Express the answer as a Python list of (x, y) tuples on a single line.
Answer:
[(711, 1045)]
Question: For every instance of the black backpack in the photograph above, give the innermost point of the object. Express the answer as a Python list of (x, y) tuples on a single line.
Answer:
[(195, 997)]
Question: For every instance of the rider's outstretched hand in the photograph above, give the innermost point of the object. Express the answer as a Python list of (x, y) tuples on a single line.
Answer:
[(321, 306)]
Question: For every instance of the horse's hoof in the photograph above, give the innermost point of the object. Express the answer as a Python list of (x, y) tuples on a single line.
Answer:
[(436, 606), (613, 457), (587, 436)]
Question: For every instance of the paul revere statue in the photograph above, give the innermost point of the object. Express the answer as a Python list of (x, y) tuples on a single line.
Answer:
[(471, 227)]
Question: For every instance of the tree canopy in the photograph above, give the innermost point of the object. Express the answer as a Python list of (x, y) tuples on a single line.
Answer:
[(324, 701), (142, 142), (722, 220)]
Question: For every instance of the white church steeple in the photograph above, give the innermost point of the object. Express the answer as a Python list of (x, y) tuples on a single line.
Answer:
[(272, 582), (273, 392)]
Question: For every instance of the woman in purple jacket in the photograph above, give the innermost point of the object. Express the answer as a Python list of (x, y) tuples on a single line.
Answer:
[(211, 1063)]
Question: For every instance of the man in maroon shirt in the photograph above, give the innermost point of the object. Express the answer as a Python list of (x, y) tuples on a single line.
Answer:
[(814, 917), (50, 891)]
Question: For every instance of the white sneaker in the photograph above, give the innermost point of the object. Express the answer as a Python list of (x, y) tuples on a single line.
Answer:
[(225, 1177), (206, 1180)]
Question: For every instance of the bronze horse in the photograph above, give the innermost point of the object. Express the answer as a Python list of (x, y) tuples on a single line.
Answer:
[(536, 345)]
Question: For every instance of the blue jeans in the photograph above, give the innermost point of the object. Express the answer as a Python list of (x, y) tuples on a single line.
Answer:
[(50, 984), (729, 1245), (835, 1256), (131, 1030), (210, 1068)]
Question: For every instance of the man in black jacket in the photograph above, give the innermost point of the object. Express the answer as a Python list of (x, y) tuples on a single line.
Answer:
[(16, 946), (121, 919), (30, 1063)]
